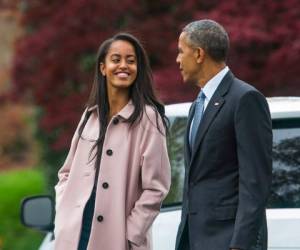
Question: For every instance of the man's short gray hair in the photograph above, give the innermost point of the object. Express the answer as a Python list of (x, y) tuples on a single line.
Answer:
[(210, 36)]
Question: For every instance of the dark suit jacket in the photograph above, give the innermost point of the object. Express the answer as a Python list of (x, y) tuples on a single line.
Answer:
[(228, 176)]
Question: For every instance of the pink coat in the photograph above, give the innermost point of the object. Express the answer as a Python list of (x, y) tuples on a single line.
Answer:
[(137, 171)]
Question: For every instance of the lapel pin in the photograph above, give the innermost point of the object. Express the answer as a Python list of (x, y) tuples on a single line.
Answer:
[(216, 104)]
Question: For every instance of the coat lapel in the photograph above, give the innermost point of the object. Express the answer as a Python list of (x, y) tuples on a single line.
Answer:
[(187, 148), (214, 106)]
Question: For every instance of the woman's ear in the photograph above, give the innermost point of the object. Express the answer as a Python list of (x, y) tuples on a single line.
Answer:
[(200, 54), (102, 68)]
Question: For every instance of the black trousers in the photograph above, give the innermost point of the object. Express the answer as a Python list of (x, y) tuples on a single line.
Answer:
[(87, 222)]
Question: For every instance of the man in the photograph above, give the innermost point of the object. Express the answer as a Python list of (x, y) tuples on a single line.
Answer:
[(228, 148)]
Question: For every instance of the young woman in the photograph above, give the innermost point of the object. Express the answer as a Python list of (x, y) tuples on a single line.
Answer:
[(117, 172)]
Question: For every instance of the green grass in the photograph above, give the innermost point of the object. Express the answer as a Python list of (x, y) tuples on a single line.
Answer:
[(14, 186)]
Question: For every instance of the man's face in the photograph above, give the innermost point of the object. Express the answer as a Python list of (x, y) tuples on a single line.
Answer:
[(186, 59)]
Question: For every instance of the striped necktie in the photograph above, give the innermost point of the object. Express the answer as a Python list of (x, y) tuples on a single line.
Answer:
[(199, 108)]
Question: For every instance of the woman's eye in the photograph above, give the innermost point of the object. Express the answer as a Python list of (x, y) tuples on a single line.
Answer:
[(131, 61), (115, 60)]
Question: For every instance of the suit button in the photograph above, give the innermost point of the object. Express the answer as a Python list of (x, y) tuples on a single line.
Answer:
[(105, 185), (115, 121), (100, 218), (109, 152)]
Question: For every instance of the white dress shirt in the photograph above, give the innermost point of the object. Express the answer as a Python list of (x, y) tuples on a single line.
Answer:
[(211, 86), (209, 90)]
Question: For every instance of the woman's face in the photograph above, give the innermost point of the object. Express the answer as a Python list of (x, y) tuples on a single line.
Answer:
[(120, 65)]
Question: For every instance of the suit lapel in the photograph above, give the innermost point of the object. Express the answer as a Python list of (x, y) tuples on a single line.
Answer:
[(214, 106), (210, 113), (187, 148)]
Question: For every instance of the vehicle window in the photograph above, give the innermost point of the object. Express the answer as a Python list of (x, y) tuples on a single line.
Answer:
[(175, 141), (285, 192)]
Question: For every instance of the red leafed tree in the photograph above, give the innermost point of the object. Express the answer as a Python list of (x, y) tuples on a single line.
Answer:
[(54, 61)]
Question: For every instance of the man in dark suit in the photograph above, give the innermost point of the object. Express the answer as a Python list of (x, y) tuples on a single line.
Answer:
[(228, 149)]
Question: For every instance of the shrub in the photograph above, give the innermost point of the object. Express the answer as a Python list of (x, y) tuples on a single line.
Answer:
[(14, 186)]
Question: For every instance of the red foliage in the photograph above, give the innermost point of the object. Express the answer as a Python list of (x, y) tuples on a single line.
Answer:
[(50, 64)]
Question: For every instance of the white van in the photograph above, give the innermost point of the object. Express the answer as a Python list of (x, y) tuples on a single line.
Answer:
[(283, 211)]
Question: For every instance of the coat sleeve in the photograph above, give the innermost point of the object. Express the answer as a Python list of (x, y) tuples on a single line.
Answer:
[(63, 173), (155, 181), (253, 130)]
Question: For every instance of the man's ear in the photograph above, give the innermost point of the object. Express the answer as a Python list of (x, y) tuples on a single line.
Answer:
[(199, 54), (102, 68)]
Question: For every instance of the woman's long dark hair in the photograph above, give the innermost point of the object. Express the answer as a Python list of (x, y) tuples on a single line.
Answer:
[(141, 92)]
